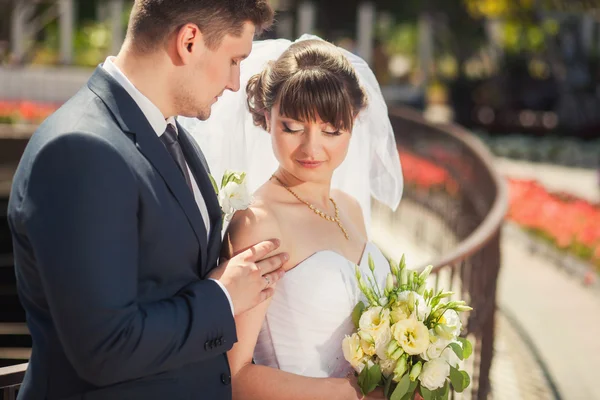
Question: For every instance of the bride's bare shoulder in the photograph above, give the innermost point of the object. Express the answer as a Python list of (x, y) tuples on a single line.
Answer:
[(247, 227)]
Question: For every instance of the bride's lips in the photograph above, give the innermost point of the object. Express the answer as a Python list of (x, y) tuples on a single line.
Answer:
[(309, 164)]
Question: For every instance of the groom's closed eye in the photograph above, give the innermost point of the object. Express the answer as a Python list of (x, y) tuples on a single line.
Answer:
[(237, 60)]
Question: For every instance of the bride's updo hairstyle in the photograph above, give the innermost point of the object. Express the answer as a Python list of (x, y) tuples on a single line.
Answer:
[(311, 79)]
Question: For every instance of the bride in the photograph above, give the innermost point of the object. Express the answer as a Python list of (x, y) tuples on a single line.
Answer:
[(331, 148)]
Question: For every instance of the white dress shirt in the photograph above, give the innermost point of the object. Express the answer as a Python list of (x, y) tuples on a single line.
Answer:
[(159, 124)]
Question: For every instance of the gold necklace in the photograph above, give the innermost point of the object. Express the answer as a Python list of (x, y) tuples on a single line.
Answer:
[(320, 213)]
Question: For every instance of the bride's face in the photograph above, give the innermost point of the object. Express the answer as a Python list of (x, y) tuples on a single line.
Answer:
[(310, 151)]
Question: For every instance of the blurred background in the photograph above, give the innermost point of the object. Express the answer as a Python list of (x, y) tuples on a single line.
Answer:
[(496, 109)]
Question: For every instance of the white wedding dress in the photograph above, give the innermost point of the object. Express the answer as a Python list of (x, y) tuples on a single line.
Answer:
[(310, 313)]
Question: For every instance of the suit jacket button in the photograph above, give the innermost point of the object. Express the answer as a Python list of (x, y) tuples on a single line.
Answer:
[(219, 342), (206, 345), (226, 379)]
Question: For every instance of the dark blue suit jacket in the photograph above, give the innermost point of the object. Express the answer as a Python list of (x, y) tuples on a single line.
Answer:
[(111, 253)]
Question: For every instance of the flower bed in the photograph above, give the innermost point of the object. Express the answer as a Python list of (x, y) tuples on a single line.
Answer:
[(424, 174), (566, 222), (569, 223), (25, 112)]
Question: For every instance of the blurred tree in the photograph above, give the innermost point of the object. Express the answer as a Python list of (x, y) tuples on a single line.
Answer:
[(498, 8)]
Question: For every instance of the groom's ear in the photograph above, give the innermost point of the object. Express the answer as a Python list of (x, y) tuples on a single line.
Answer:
[(189, 41)]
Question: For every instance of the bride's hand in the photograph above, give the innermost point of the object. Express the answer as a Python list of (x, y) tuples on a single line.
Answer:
[(375, 394)]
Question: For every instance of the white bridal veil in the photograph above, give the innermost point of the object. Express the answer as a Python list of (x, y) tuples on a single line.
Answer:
[(230, 140)]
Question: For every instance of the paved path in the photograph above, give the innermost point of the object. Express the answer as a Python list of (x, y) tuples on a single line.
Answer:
[(559, 314)]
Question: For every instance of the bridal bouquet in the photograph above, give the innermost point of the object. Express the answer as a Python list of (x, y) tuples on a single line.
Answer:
[(408, 338)]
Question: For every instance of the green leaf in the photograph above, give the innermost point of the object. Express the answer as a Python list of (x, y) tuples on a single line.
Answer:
[(362, 377), (387, 387), (457, 350), (402, 388), (457, 379), (214, 184), (467, 347), (411, 391), (426, 393), (444, 392), (466, 379), (373, 378), (357, 312)]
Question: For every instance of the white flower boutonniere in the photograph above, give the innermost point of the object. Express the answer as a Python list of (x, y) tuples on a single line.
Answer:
[(233, 194)]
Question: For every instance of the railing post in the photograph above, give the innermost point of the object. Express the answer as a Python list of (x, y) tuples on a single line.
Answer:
[(19, 33), (67, 26), (306, 18), (116, 20), (285, 21), (365, 30), (426, 49)]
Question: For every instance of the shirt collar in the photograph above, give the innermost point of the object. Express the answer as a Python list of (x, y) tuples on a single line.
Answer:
[(151, 112)]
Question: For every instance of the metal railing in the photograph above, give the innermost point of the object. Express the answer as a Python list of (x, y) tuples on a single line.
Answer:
[(10, 380), (456, 213), (459, 217)]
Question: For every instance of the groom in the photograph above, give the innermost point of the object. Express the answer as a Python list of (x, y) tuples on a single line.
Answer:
[(116, 226)]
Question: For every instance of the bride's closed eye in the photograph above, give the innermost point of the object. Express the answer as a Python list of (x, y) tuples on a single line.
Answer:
[(287, 129), (333, 133)]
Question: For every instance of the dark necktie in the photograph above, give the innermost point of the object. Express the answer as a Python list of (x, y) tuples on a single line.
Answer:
[(169, 139)]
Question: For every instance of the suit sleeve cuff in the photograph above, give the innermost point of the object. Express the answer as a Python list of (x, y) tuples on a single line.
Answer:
[(226, 294)]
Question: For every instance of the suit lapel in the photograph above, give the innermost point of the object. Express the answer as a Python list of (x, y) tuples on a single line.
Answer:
[(197, 162), (132, 120)]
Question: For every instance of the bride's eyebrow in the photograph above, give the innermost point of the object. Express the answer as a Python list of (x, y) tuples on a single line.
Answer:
[(289, 119)]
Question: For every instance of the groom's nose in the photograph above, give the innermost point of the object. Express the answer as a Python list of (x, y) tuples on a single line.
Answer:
[(234, 80)]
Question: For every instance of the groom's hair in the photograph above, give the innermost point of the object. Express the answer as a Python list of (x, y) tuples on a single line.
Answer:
[(152, 21)]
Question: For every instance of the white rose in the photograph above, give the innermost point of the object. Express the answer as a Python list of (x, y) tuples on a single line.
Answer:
[(376, 323), (412, 335), (368, 347), (450, 356), (234, 196), (434, 373), (440, 349), (435, 349), (452, 320), (387, 367), (401, 308), (399, 312), (353, 352)]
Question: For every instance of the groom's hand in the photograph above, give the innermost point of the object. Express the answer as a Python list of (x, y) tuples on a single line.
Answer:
[(250, 275)]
